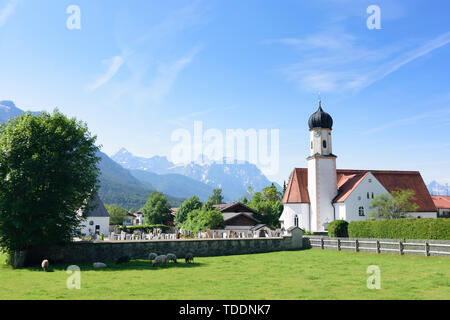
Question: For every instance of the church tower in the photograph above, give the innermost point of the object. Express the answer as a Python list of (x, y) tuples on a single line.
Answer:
[(322, 179)]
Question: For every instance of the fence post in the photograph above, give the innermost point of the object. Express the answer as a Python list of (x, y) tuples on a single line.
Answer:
[(322, 245), (356, 245), (400, 247), (378, 246), (427, 249), (339, 244)]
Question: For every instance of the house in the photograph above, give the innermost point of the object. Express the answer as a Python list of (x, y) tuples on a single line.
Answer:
[(442, 204), (97, 221), (237, 216), (134, 219), (321, 193)]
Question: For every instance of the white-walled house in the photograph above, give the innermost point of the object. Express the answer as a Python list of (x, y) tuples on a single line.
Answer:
[(98, 219), (320, 194)]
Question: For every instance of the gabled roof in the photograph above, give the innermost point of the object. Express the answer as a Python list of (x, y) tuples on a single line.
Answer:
[(441, 202), (99, 209), (297, 189), (348, 180), (233, 207), (230, 215)]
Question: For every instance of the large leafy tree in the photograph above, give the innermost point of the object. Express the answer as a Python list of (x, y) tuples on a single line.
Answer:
[(268, 204), (187, 206), (48, 170), (203, 219), (116, 213), (156, 210), (216, 197), (394, 205)]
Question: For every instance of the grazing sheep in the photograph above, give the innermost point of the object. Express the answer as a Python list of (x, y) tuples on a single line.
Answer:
[(123, 259), (189, 258), (45, 265), (160, 260), (152, 256), (172, 257), (99, 265)]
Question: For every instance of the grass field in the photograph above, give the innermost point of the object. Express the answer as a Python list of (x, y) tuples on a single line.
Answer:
[(308, 274)]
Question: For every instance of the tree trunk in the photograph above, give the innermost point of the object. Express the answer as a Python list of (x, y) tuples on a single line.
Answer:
[(19, 259)]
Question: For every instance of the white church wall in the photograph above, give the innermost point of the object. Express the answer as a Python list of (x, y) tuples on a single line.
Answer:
[(358, 198), (291, 210), (422, 215), (89, 226)]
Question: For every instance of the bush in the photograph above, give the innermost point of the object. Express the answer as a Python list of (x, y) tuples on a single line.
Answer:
[(432, 229), (144, 228), (338, 228)]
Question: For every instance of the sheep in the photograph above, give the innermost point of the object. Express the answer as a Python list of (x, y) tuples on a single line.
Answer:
[(159, 260), (45, 265), (172, 257), (189, 258), (152, 256), (99, 265), (123, 259)]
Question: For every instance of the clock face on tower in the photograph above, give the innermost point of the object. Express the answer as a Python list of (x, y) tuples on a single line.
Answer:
[(317, 133)]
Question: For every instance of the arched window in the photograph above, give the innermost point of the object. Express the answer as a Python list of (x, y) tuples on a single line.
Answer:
[(324, 144), (296, 220), (372, 195), (361, 211), (312, 145), (368, 195)]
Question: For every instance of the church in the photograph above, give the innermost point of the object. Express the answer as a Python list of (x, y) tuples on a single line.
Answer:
[(320, 193)]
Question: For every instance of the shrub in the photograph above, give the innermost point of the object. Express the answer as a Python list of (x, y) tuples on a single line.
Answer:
[(144, 228), (338, 228), (438, 229)]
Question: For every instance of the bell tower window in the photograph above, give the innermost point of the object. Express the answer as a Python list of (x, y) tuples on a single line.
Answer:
[(324, 144)]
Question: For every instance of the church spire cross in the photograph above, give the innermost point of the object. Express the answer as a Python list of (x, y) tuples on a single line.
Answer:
[(320, 101)]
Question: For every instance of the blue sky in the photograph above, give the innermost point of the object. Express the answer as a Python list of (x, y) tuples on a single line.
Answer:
[(138, 70)]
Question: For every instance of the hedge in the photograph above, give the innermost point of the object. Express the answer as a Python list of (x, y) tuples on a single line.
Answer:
[(144, 228), (411, 228), (338, 228)]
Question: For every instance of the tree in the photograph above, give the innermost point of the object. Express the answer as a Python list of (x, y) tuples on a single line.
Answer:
[(116, 213), (203, 219), (395, 205), (156, 210), (216, 197), (268, 204), (48, 171), (187, 206)]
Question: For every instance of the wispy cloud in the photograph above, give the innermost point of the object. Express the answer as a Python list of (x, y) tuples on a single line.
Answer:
[(333, 62), (436, 115), (7, 11), (114, 65), (168, 74)]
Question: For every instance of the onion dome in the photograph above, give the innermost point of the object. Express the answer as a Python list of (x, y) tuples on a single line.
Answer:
[(320, 119)]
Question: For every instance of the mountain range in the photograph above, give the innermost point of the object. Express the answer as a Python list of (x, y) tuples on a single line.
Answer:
[(233, 178), (437, 189)]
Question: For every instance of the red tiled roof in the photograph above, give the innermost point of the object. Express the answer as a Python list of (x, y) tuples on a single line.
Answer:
[(348, 180), (441, 202), (297, 189)]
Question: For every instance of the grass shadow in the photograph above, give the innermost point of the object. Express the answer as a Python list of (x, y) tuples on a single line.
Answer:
[(112, 266)]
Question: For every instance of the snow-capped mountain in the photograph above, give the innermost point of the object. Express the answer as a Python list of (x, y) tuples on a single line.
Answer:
[(9, 110), (233, 178), (436, 188)]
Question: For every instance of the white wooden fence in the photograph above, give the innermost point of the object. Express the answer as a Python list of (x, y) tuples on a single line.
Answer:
[(426, 248)]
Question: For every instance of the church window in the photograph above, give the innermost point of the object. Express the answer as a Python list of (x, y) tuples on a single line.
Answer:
[(361, 211), (372, 195), (296, 220), (368, 195), (324, 144), (311, 145)]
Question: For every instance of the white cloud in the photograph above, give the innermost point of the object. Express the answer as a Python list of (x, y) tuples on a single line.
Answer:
[(114, 65), (336, 62), (7, 11), (168, 74)]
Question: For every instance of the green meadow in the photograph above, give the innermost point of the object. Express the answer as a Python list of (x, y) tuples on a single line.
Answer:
[(307, 274)]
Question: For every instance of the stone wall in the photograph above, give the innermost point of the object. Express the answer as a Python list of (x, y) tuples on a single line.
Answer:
[(87, 252)]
